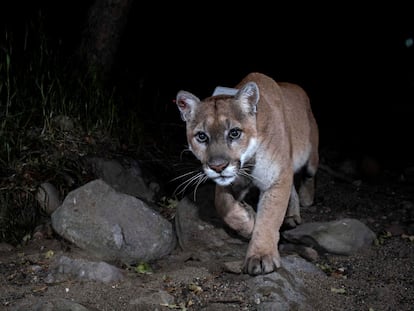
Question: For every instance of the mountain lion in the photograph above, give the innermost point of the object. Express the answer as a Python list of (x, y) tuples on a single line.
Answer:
[(263, 135)]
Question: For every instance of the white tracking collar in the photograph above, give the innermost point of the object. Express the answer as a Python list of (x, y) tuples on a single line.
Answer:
[(222, 90)]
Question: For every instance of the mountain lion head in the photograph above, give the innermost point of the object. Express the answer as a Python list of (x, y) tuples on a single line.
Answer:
[(221, 131)]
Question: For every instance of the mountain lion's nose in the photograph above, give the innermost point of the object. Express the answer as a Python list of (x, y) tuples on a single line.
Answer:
[(218, 165)]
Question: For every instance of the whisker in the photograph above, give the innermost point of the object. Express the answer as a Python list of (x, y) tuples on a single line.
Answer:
[(191, 181), (243, 172), (183, 175), (201, 180), (185, 184), (195, 179)]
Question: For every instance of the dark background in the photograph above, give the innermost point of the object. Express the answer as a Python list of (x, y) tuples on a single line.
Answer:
[(354, 62)]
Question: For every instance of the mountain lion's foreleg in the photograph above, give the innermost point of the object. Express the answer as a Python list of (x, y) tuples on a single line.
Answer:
[(238, 215), (263, 254)]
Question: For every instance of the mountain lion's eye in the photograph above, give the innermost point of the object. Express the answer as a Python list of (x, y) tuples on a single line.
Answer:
[(235, 133), (201, 137)]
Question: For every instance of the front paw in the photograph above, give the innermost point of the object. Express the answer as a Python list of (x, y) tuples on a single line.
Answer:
[(261, 264), (241, 219)]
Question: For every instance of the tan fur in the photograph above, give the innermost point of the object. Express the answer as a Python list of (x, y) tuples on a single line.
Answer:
[(260, 137)]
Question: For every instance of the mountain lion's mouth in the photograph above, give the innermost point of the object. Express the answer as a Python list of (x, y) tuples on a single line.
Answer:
[(224, 180)]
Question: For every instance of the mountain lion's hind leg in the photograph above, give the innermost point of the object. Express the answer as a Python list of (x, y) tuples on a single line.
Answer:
[(292, 217), (307, 186)]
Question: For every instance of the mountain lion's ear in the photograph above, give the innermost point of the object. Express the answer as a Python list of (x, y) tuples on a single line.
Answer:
[(186, 103), (249, 97)]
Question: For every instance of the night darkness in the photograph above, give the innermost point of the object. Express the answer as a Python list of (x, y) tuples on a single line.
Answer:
[(356, 64)]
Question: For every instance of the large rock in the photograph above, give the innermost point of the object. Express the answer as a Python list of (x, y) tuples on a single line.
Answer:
[(112, 225), (128, 179), (343, 237), (284, 289), (66, 268)]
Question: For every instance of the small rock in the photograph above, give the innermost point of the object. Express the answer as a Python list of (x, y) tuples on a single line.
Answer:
[(233, 266), (305, 252), (48, 197)]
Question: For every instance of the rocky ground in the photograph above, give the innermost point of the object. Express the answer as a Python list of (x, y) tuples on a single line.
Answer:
[(378, 278)]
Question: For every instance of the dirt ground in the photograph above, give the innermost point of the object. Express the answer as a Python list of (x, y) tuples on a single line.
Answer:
[(378, 278)]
